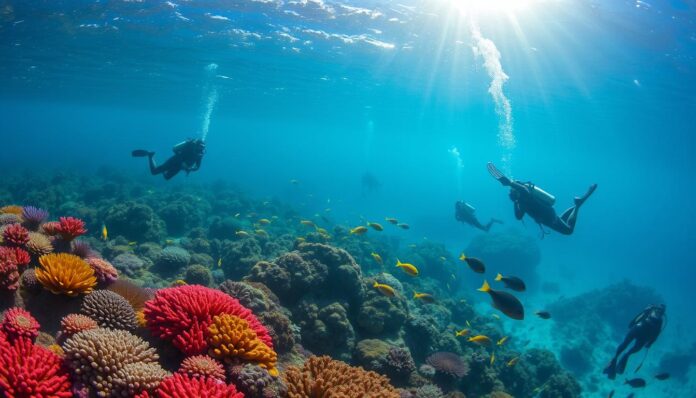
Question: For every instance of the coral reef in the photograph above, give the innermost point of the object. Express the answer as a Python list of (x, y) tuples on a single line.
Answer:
[(103, 270), (33, 217), (255, 381), (183, 386), (202, 366), (449, 364), (171, 260), (67, 274), (110, 310), (198, 275), (129, 264), (15, 235), (134, 221), (76, 323), (18, 323), (232, 339)]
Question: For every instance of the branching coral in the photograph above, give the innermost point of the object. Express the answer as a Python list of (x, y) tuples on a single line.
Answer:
[(232, 339), (19, 323), (325, 377), (183, 386), (15, 235), (9, 270), (33, 217), (103, 270), (70, 228), (67, 274), (182, 315), (448, 363), (110, 310), (28, 370), (202, 366)]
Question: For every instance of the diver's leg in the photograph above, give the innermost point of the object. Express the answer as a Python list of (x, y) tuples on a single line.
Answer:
[(561, 226), (610, 370), (490, 223), (170, 173), (621, 366), (154, 169)]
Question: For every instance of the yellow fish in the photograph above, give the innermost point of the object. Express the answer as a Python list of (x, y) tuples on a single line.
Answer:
[(308, 223), (502, 341), (105, 233), (264, 221), (132, 243), (461, 333), (219, 262), (513, 362), (391, 220), (492, 358), (322, 231), (384, 289), (300, 239), (496, 316), (241, 234), (424, 297), (481, 340), (262, 233), (179, 282), (358, 230), (410, 269), (375, 226), (377, 257)]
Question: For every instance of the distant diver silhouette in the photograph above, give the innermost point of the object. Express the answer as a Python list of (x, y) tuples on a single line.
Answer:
[(532, 200), (464, 212), (187, 157)]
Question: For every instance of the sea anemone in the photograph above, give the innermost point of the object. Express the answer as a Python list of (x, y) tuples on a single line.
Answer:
[(182, 315), (202, 366), (17, 255), (448, 363), (76, 323), (232, 339), (15, 235), (29, 281), (67, 274), (38, 244), (70, 228), (28, 370), (110, 310), (33, 217), (399, 362), (103, 270), (19, 323), (82, 249), (184, 386)]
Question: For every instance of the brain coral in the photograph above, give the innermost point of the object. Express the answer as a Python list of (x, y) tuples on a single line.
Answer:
[(67, 274), (171, 259), (183, 386), (19, 323), (325, 377), (202, 366), (112, 362), (129, 264), (232, 339), (28, 370), (103, 270), (110, 310), (182, 315)]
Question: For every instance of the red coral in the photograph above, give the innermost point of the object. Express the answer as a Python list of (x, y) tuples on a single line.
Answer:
[(50, 228), (15, 235), (182, 315), (9, 273), (70, 228), (183, 386), (16, 255), (19, 323), (28, 370)]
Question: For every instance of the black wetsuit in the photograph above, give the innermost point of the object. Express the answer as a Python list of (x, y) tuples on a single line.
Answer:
[(464, 213), (644, 329), (187, 157)]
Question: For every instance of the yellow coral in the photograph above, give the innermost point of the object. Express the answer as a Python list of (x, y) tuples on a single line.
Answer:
[(230, 337), (67, 274), (11, 209), (140, 317), (56, 349)]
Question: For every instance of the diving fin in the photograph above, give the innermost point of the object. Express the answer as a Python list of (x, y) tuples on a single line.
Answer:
[(140, 153)]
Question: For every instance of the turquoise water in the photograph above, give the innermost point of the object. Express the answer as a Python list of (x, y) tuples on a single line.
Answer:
[(420, 94)]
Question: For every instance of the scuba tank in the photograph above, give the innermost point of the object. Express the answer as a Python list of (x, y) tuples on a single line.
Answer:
[(469, 207), (541, 195)]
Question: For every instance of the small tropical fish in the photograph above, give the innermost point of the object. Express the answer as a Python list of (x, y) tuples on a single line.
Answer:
[(133, 243), (375, 226), (461, 333), (481, 340), (264, 221), (308, 223), (635, 383), (475, 264), (662, 376), (219, 263), (391, 220), (241, 234), (513, 362), (443, 258), (261, 233), (104, 233), (179, 282), (424, 297), (403, 226), (502, 341), (410, 269), (543, 314), (504, 301), (453, 277), (492, 358), (495, 316), (512, 282), (377, 258), (169, 242), (384, 289), (359, 230)]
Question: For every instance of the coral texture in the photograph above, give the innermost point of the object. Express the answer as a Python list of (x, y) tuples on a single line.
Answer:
[(76, 323), (15, 235), (448, 363), (255, 381), (110, 310), (103, 270), (67, 274), (137, 296), (183, 386), (33, 217), (202, 366), (232, 338), (70, 228), (38, 244), (19, 323)]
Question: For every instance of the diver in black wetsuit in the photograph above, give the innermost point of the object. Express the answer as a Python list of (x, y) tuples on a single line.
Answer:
[(464, 212), (532, 200), (187, 157), (645, 328)]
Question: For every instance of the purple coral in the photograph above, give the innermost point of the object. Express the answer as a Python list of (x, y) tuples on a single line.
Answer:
[(255, 381), (448, 363), (33, 217), (399, 362)]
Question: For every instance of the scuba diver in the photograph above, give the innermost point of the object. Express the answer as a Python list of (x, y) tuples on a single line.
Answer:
[(532, 200), (645, 328), (187, 157), (464, 212)]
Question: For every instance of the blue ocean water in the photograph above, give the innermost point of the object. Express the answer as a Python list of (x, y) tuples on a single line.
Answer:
[(418, 94)]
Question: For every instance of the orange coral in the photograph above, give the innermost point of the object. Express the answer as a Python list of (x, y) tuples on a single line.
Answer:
[(325, 377), (11, 209), (230, 337), (67, 274)]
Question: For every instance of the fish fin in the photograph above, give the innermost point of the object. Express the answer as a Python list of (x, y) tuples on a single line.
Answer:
[(485, 287), (375, 285), (499, 277), (398, 262), (415, 294)]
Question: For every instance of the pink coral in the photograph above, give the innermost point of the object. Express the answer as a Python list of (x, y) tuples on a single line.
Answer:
[(50, 228), (19, 323), (75, 323), (28, 370), (103, 270), (9, 273), (182, 315), (183, 386), (202, 366), (15, 235), (70, 228)]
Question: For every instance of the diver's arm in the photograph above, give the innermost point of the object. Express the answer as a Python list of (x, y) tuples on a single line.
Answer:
[(519, 213), (196, 166)]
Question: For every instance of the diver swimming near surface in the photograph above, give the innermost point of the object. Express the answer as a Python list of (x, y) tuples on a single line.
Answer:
[(645, 328), (187, 157), (532, 200), (464, 212)]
